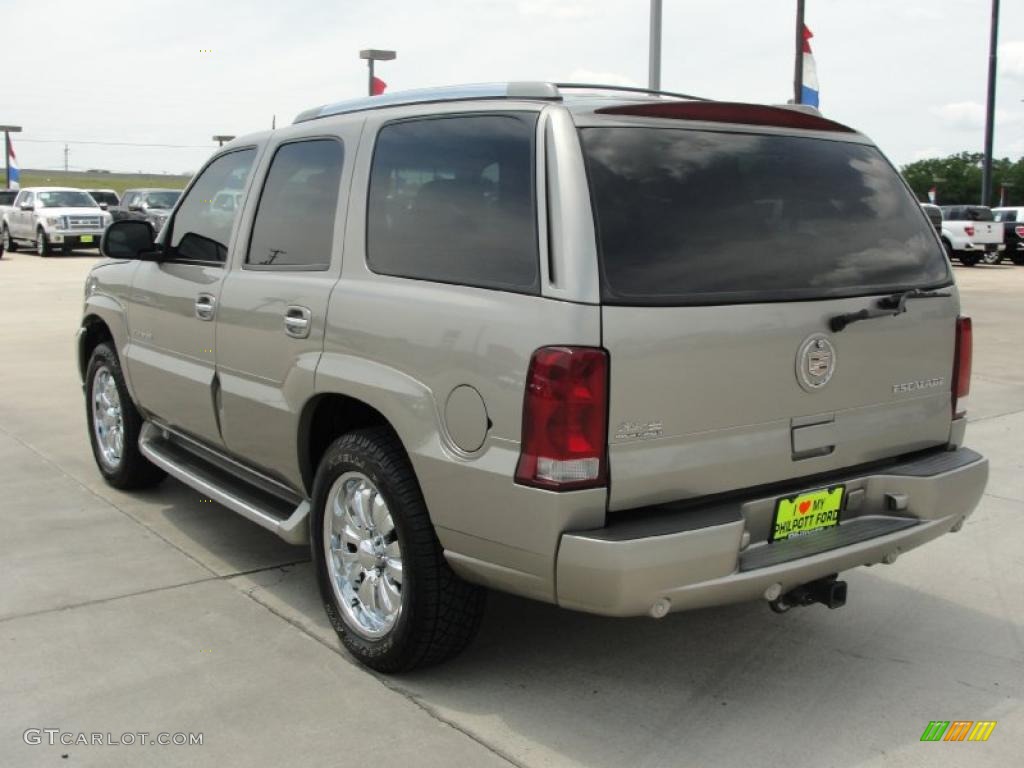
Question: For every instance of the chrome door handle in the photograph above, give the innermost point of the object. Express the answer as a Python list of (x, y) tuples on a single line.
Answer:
[(206, 305), (297, 322)]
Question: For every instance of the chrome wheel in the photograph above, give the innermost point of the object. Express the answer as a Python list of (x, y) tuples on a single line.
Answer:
[(991, 257), (107, 418), (364, 559)]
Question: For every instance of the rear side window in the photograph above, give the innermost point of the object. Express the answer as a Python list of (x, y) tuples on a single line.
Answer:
[(451, 200), (1005, 215), (294, 224), (978, 213), (700, 217)]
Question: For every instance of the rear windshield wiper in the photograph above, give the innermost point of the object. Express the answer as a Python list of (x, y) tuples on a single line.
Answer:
[(889, 306)]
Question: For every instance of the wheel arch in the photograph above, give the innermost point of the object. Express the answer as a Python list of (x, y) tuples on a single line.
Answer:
[(94, 331), (325, 417)]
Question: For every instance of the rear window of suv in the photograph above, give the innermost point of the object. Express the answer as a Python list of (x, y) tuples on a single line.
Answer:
[(702, 217)]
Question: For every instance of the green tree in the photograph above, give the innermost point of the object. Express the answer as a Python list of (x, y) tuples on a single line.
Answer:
[(958, 179)]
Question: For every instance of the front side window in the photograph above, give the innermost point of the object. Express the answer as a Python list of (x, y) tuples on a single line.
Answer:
[(703, 217), (294, 223), (452, 201), (200, 231)]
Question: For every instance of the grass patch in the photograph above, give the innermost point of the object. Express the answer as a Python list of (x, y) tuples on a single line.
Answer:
[(118, 182)]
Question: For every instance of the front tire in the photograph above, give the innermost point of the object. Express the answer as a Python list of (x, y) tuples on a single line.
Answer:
[(43, 244), (388, 590), (9, 244), (115, 424)]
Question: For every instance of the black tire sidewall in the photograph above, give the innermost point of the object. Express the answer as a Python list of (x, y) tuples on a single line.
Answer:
[(134, 469), (345, 455)]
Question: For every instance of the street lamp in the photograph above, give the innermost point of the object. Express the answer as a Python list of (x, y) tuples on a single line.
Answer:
[(371, 55), (221, 139), (8, 130)]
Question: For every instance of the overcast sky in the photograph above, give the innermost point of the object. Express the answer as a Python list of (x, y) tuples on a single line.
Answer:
[(909, 73)]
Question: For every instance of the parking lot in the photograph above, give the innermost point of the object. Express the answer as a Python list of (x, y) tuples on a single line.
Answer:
[(162, 612)]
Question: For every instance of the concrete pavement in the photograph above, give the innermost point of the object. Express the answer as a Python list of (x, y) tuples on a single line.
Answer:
[(158, 612)]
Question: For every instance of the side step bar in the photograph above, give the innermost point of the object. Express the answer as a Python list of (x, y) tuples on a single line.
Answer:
[(287, 517)]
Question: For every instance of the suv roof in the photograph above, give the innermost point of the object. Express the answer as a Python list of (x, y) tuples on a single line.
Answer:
[(587, 97)]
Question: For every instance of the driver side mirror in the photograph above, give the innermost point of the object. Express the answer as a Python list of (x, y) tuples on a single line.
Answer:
[(135, 207), (104, 206), (129, 239), (27, 206)]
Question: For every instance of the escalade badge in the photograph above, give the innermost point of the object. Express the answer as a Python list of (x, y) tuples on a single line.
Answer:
[(815, 362)]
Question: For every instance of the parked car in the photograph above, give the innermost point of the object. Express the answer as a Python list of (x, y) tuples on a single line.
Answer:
[(971, 234), (6, 202), (105, 198), (1012, 219), (466, 338), (934, 214), (152, 204), (53, 217)]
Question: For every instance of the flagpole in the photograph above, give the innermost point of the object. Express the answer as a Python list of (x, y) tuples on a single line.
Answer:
[(798, 69), (8, 130)]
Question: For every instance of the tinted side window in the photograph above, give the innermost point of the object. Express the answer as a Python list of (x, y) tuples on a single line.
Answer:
[(451, 200), (128, 199), (295, 220), (200, 231), (1006, 216)]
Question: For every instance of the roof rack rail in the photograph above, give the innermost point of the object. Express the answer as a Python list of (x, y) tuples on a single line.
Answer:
[(511, 90), (628, 89)]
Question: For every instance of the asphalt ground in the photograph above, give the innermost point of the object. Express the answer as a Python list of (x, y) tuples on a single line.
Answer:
[(157, 612)]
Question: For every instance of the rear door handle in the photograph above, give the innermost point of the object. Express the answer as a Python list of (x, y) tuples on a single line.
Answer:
[(297, 321), (206, 305)]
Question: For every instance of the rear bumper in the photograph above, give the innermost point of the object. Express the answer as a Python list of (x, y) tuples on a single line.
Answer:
[(984, 247), (711, 556)]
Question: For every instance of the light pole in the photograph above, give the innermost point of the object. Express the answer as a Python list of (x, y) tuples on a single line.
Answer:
[(990, 105), (371, 55), (8, 130), (221, 139), (654, 49)]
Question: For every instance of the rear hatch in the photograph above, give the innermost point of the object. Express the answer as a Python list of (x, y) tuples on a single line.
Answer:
[(725, 251)]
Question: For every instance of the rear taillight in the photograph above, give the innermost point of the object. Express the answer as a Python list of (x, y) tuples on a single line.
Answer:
[(565, 419), (1019, 230), (969, 230), (962, 366)]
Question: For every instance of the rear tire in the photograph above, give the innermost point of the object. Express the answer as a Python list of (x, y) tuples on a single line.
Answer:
[(1018, 259), (375, 548), (969, 259), (114, 424), (9, 244)]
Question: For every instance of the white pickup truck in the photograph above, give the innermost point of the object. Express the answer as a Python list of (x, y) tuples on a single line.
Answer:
[(53, 217), (971, 234)]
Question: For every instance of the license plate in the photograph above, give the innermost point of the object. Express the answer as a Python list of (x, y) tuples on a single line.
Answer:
[(85, 239), (807, 512)]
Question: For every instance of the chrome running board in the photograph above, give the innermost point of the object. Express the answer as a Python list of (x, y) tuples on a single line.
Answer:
[(263, 501)]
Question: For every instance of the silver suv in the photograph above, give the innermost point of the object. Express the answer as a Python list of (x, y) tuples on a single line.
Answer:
[(625, 353)]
